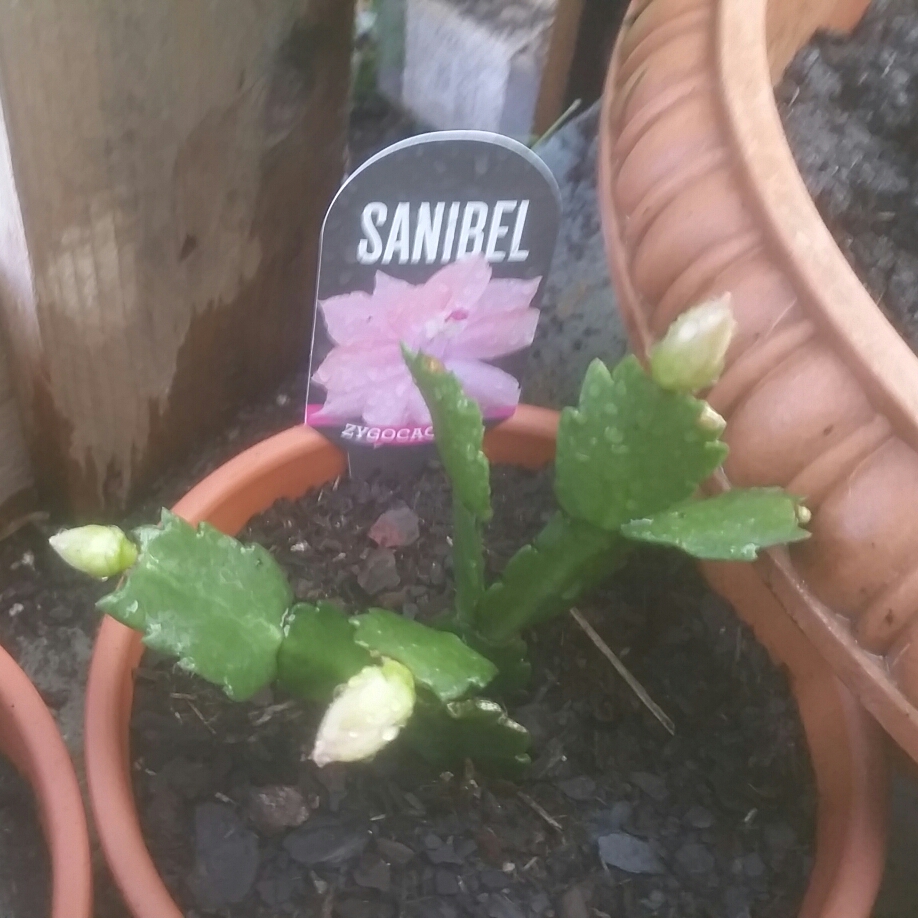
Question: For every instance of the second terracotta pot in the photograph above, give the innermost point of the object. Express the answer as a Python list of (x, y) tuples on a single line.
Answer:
[(29, 738), (700, 195), (844, 744)]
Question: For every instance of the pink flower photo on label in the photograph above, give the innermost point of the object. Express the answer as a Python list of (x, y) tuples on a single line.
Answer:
[(461, 315)]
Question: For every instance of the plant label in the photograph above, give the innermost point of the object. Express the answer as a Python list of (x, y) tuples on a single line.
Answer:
[(440, 243)]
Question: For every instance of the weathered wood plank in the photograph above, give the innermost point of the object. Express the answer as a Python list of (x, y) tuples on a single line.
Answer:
[(15, 474), (170, 163), (558, 59), (497, 65)]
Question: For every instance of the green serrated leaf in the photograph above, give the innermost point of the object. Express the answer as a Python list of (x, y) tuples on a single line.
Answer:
[(319, 652), (447, 735), (438, 660), (212, 602), (730, 527), (459, 434), (544, 579), (468, 561), (458, 430), (631, 449)]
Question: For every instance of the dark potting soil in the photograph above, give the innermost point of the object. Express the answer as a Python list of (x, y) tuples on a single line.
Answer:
[(850, 110), (616, 816), (24, 876)]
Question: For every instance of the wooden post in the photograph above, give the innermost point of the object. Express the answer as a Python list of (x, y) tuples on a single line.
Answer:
[(15, 475), (558, 59), (499, 66), (164, 170)]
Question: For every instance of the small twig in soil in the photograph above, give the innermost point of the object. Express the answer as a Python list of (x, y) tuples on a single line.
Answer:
[(265, 714), (541, 811), (623, 671), (414, 803), (202, 718), (559, 122)]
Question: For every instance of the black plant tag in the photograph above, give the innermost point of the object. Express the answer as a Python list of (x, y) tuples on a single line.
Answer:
[(441, 242)]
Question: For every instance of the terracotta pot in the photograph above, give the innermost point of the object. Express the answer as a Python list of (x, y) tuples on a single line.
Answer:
[(700, 195), (30, 739), (844, 743)]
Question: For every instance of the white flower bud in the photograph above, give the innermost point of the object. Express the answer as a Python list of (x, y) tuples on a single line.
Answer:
[(100, 551), (803, 514), (691, 355), (367, 714)]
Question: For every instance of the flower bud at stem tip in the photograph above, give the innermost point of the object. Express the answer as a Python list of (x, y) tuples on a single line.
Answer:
[(368, 712), (691, 355), (100, 551)]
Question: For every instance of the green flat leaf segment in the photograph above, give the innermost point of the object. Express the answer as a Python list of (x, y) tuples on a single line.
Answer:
[(468, 560), (730, 527), (544, 579), (319, 652), (438, 660), (447, 735), (459, 434), (458, 431), (631, 449), (205, 598)]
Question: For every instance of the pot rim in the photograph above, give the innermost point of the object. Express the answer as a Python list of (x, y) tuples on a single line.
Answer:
[(850, 779), (30, 738), (748, 62)]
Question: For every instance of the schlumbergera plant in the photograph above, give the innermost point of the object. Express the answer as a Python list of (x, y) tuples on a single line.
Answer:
[(630, 459)]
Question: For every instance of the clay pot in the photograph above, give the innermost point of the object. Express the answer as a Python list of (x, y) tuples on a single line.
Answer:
[(700, 195), (30, 739), (843, 741)]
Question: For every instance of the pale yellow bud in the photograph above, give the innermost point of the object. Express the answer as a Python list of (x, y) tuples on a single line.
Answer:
[(691, 355), (367, 714), (100, 551)]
